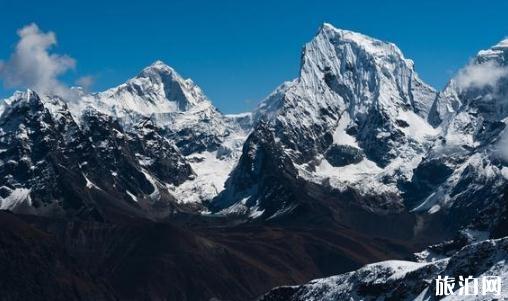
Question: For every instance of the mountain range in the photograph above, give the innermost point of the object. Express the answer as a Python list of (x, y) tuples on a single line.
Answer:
[(147, 191)]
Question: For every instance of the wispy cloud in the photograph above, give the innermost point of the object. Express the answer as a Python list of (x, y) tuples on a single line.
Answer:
[(501, 147), (32, 65), (85, 82), (481, 75)]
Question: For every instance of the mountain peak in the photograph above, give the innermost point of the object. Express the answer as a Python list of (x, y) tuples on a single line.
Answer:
[(503, 44), (368, 44), (21, 96), (495, 51), (160, 66), (29, 99), (159, 63), (159, 69), (158, 88), (337, 58), (327, 28)]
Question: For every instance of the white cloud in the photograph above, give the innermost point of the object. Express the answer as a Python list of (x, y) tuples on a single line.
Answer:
[(501, 147), (31, 65), (85, 82), (480, 75)]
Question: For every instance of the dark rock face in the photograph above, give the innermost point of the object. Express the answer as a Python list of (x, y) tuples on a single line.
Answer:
[(342, 155), (53, 166), (190, 141), (378, 147), (426, 177), (157, 154), (501, 225), (40, 156), (402, 123), (262, 171)]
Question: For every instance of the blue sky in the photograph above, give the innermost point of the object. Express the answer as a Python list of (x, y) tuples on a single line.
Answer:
[(239, 51)]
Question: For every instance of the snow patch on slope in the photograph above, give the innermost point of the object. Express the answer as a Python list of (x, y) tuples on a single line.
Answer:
[(212, 169), (15, 198)]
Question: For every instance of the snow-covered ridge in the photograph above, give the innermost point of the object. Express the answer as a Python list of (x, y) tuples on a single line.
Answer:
[(354, 95), (406, 280), (156, 90), (358, 118), (471, 114), (210, 140), (184, 125), (368, 65), (374, 46)]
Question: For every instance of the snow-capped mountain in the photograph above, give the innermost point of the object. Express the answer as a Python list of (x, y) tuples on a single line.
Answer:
[(416, 279), (465, 172), (355, 154), (407, 280), (359, 128), (53, 165), (210, 140), (175, 103), (440, 157), (147, 145), (354, 120)]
